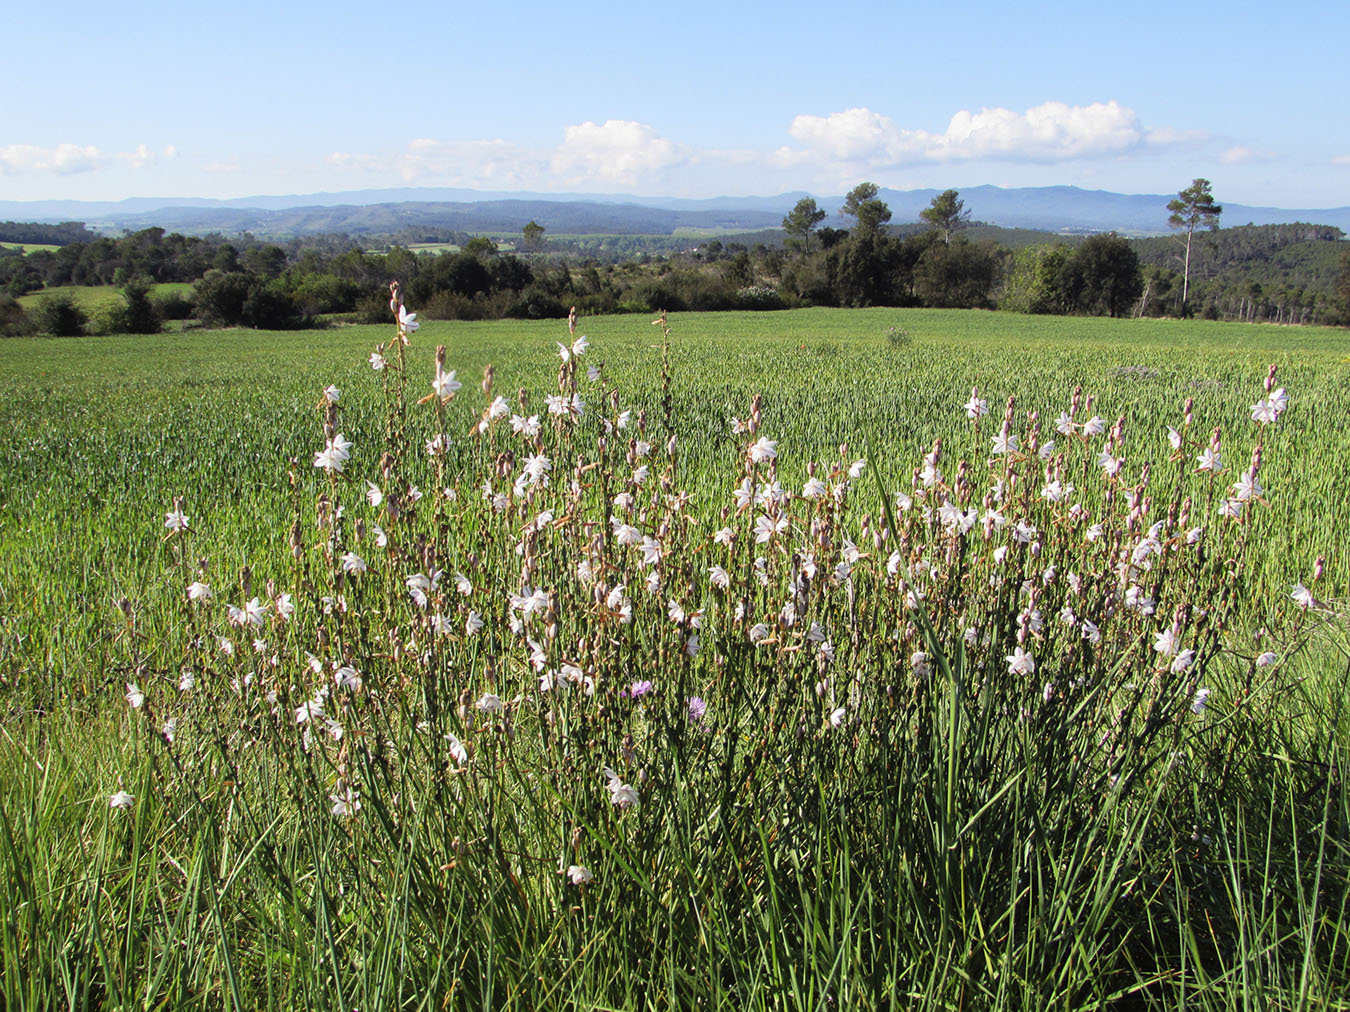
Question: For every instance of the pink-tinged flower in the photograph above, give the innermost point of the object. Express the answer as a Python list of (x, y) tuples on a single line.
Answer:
[(407, 322), (697, 708), (1173, 438), (651, 550), (977, 406), (1065, 424), (1004, 443), (763, 450), (473, 624), (1020, 662), (490, 702), (814, 489), (377, 361), (121, 800), (621, 795), (347, 677), (1165, 642), (837, 716), (720, 578), (198, 591), (444, 385), (1095, 426), (135, 697), (331, 394), (1091, 633), (1247, 487), (1266, 659), (1200, 700), (1183, 661), (175, 520), (1264, 413), (579, 874), (353, 563), (1303, 597), (457, 749), (346, 802)]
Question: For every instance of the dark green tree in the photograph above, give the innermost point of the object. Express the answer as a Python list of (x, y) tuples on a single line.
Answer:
[(1102, 276), (1192, 208), (801, 222), (532, 237), (58, 315), (946, 214), (861, 204), (141, 315)]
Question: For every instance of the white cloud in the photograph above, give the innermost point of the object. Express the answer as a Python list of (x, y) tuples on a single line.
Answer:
[(1341, 160), (1050, 132), (1239, 155), (63, 160), (617, 152), (68, 159)]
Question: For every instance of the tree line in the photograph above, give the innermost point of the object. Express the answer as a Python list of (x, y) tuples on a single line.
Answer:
[(1243, 273)]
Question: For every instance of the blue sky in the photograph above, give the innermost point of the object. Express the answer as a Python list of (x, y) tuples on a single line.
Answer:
[(687, 99)]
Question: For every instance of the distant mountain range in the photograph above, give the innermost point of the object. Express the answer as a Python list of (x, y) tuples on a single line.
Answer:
[(389, 211)]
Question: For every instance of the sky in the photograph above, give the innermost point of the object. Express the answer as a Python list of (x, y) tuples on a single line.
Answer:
[(691, 99)]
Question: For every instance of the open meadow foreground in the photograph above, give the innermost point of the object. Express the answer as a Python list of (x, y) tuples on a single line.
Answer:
[(821, 659)]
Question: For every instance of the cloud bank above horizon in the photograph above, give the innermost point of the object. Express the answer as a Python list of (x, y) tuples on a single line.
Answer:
[(829, 152)]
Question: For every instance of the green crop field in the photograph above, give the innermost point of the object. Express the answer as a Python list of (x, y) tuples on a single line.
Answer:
[(823, 658), (93, 298), (29, 247)]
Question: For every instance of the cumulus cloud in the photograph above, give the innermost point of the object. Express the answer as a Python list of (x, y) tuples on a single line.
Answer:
[(69, 159), (63, 160), (1052, 131), (618, 152)]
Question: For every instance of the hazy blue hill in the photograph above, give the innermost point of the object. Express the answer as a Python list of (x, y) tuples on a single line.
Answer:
[(369, 212)]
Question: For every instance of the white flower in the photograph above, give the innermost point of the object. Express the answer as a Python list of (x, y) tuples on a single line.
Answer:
[(445, 385), (331, 394), (463, 585), (285, 606), (1266, 659), (1200, 700), (345, 802), (976, 407), (856, 469), (1004, 443), (1208, 460), (186, 681), (353, 563), (1183, 661), (1109, 463), (1302, 596), (1247, 487), (121, 800), (763, 450), (407, 322), (373, 494), (1264, 412), (1173, 438), (579, 874), (1165, 642), (621, 795), (1094, 427), (135, 697), (490, 702), (347, 677), (457, 749), (837, 716), (1064, 425), (175, 520), (1091, 633), (580, 345), (527, 427), (813, 489), (198, 591), (759, 632), (1020, 662), (377, 361), (651, 550)]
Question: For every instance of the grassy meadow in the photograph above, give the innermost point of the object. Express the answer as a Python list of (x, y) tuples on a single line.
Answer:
[(397, 697)]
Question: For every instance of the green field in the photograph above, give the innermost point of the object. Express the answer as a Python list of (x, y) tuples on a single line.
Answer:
[(29, 247), (367, 802), (93, 298)]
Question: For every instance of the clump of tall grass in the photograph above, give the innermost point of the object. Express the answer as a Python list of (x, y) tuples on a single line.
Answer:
[(526, 719)]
